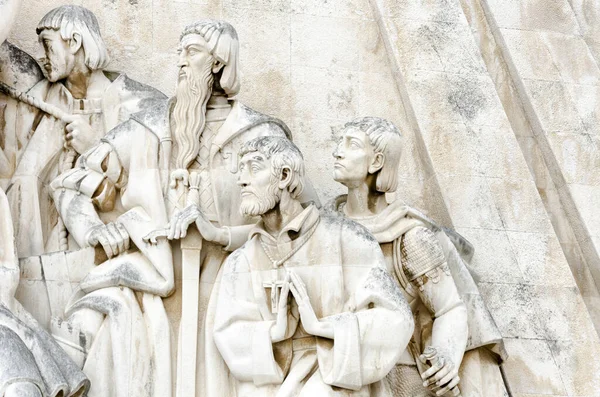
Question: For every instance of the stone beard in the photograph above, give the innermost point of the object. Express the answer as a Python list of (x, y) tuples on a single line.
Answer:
[(193, 92), (257, 203)]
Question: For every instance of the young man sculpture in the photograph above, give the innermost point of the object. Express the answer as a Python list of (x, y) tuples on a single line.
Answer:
[(306, 306), (41, 146), (426, 266)]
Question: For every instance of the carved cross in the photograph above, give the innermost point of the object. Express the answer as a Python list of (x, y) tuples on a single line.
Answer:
[(233, 160), (275, 286)]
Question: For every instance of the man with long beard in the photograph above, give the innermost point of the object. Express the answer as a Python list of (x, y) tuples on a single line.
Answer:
[(177, 162), (348, 322)]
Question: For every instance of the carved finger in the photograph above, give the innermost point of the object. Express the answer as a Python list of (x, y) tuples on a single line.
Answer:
[(116, 241), (69, 136), (297, 282), (440, 374), (449, 387), (103, 240), (448, 378), (296, 295), (70, 127), (124, 236), (283, 297), (433, 370), (178, 226), (172, 225)]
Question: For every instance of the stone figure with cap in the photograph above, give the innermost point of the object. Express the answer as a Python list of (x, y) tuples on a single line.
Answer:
[(456, 346), (172, 169), (306, 306)]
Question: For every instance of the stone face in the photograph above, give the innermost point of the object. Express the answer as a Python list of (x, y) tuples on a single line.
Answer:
[(498, 102)]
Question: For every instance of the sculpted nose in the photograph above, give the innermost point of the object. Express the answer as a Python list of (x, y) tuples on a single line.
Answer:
[(182, 60), (242, 180), (337, 153)]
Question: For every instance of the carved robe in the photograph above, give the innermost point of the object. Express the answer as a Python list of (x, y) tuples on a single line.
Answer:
[(28, 354), (20, 71), (345, 277), (417, 251), (39, 156), (132, 166)]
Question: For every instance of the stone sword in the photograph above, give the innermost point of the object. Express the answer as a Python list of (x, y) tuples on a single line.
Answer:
[(191, 250)]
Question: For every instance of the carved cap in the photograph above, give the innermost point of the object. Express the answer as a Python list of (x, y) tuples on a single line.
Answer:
[(223, 44)]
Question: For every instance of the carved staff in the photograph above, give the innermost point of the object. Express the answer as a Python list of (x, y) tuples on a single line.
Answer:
[(191, 250), (68, 155), (53, 111)]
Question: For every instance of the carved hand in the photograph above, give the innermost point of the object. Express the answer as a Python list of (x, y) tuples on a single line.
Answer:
[(309, 319), (177, 228), (113, 237), (278, 330), (442, 377), (80, 134), (182, 220)]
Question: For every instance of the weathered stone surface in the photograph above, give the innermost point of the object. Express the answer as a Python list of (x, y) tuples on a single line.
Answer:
[(499, 104)]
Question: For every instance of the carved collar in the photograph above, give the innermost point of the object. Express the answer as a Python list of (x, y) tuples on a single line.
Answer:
[(302, 223)]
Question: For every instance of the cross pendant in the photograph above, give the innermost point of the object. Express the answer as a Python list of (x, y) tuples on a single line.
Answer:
[(275, 286)]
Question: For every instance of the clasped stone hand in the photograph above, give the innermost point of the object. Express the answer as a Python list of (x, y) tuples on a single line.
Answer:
[(113, 237)]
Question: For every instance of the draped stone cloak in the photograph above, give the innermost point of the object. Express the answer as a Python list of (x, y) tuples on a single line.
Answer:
[(344, 273), (40, 138), (388, 227), (29, 353)]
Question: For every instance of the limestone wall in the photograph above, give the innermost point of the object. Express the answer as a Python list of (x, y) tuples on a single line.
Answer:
[(484, 138)]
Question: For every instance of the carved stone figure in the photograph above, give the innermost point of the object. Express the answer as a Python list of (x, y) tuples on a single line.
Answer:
[(32, 364), (450, 315), (176, 161), (73, 107), (19, 71), (347, 323)]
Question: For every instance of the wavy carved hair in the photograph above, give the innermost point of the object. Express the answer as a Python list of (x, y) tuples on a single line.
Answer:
[(386, 139), (283, 153), (71, 19)]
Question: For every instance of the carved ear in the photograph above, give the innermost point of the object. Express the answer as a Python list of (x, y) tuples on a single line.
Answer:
[(75, 43), (377, 163), (285, 178), (217, 66)]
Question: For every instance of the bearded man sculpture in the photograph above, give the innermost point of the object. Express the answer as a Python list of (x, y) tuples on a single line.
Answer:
[(174, 164), (92, 100), (450, 315), (347, 324)]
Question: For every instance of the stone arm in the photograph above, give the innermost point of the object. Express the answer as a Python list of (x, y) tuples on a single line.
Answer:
[(91, 187), (370, 337), (425, 266)]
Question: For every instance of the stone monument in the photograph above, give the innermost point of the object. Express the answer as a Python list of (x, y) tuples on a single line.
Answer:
[(126, 205)]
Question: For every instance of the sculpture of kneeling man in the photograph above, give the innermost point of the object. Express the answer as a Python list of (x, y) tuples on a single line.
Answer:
[(306, 306)]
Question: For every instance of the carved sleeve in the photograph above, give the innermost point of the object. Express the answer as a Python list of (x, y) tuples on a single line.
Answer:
[(422, 256), (98, 176)]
